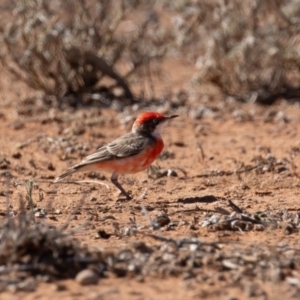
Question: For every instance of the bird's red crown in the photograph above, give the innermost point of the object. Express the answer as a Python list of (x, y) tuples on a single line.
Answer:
[(149, 115)]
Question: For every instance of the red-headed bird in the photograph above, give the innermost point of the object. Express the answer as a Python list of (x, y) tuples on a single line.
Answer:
[(128, 154)]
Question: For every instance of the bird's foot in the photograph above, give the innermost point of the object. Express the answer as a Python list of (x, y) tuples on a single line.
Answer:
[(124, 199)]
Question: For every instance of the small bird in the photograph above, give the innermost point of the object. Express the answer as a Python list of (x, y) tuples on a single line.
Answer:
[(128, 154)]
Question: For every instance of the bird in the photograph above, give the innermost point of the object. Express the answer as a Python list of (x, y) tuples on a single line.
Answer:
[(128, 154)]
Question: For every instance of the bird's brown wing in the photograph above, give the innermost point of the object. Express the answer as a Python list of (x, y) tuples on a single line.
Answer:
[(125, 146), (129, 144)]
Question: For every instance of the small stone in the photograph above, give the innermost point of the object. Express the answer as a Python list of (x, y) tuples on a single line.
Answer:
[(293, 281), (172, 173), (221, 277), (4, 164), (103, 234), (17, 125), (60, 287), (229, 264), (12, 288), (51, 167), (179, 144), (78, 130), (86, 277), (289, 229), (43, 278), (28, 285), (161, 220), (140, 278), (193, 227), (38, 215), (258, 227), (93, 199), (17, 155), (58, 212)]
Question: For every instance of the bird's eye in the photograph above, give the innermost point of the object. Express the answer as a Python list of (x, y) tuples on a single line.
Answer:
[(155, 121)]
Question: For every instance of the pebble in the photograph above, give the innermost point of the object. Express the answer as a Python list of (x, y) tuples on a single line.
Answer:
[(38, 215), (86, 277), (172, 173)]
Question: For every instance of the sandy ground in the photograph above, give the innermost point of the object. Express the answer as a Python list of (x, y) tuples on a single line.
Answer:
[(245, 153)]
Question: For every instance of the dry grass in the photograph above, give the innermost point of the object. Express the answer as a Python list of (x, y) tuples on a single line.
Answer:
[(67, 48), (248, 50), (33, 248)]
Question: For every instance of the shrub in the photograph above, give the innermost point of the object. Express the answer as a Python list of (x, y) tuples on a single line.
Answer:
[(67, 47), (249, 49)]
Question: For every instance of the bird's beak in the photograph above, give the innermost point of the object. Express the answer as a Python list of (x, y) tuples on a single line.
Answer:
[(171, 117)]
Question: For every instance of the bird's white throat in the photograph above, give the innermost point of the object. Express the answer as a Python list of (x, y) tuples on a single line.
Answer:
[(157, 131)]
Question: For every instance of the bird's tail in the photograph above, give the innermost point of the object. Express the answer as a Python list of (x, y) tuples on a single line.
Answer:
[(59, 178), (81, 167)]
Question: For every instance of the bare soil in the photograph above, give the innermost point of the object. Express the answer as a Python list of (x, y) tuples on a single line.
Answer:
[(244, 153)]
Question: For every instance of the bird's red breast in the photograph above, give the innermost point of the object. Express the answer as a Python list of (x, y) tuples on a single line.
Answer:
[(135, 163)]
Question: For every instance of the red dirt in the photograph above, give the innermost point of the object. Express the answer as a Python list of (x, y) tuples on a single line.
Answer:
[(41, 144)]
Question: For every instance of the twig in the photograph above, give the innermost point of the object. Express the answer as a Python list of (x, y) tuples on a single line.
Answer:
[(196, 209), (7, 181), (235, 207), (77, 182), (144, 193), (179, 242), (200, 149), (222, 211), (229, 173), (29, 194), (158, 237), (145, 213), (249, 219)]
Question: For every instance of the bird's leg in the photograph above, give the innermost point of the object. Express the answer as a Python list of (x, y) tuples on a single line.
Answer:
[(114, 180)]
